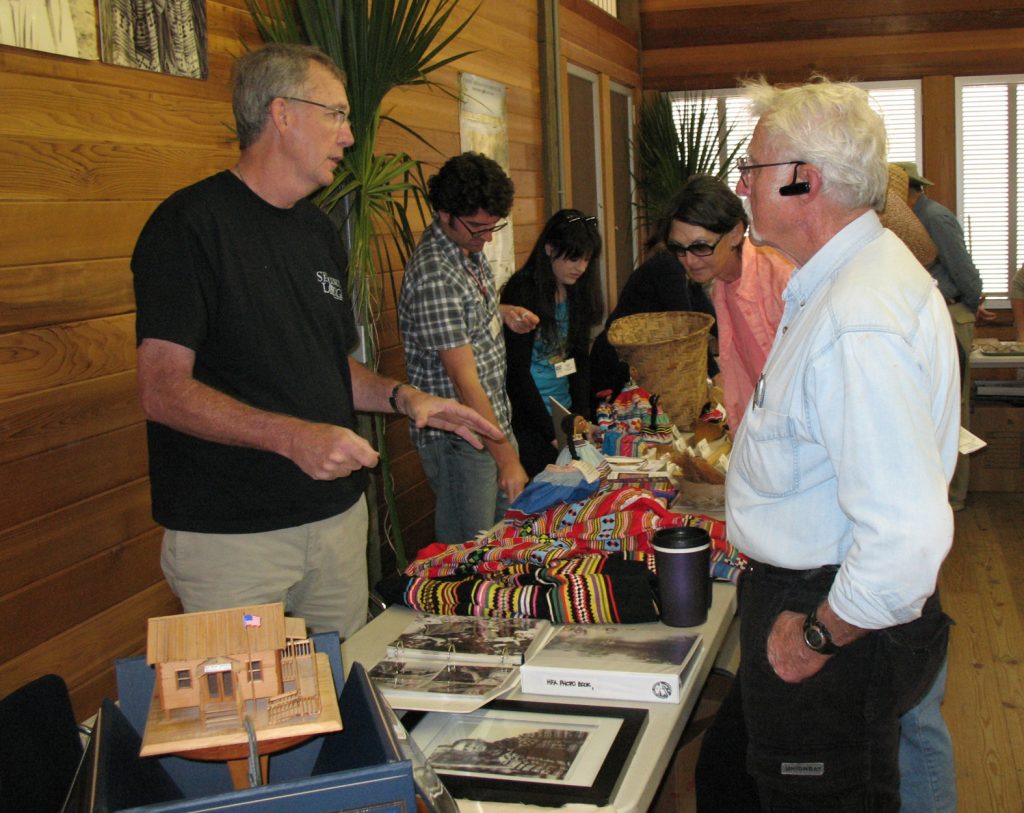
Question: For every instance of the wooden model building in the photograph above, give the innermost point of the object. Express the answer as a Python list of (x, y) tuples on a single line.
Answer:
[(215, 670)]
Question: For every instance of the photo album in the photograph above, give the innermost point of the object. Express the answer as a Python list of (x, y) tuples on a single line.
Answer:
[(456, 663)]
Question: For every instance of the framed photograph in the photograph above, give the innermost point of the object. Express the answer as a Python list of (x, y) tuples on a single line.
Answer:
[(536, 753)]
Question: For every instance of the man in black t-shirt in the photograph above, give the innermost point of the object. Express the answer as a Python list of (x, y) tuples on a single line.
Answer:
[(244, 329)]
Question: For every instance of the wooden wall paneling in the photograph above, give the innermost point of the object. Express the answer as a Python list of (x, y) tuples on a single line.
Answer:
[(71, 594), (38, 232), (859, 58), (55, 418), (58, 540), (765, 22), (387, 329), (83, 111), (47, 357), (938, 128), (84, 654), (620, 63), (415, 503), (38, 485), (609, 262), (38, 295), (407, 472), (417, 534), (82, 170), (566, 135)]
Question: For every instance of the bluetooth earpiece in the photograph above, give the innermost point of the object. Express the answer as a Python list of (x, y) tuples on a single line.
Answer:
[(795, 188)]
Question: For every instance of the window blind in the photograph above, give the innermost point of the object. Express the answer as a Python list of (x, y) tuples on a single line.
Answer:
[(897, 102), (990, 166)]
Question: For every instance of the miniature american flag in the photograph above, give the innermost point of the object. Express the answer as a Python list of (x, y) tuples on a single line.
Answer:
[(249, 620)]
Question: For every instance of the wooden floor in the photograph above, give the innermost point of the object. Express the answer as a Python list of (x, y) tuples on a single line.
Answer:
[(982, 584)]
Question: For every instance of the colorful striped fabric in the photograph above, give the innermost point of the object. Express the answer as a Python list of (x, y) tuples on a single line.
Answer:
[(584, 562)]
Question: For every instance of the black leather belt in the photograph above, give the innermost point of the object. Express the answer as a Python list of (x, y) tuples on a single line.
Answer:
[(756, 568)]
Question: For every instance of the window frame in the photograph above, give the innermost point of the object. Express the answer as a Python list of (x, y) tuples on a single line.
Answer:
[(996, 299), (718, 95)]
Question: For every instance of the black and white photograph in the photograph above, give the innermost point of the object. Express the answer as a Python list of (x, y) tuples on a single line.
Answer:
[(65, 27), (543, 753), (166, 36), (466, 679), (465, 638), (635, 642)]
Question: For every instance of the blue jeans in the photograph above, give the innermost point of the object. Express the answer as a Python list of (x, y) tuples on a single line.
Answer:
[(465, 482), (927, 775)]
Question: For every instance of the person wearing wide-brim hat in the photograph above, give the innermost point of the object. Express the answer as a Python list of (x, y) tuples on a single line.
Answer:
[(960, 283)]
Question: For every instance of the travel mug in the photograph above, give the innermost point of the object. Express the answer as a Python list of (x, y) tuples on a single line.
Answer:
[(682, 557)]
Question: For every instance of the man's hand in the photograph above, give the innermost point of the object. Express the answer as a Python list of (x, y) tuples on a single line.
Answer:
[(444, 413), (327, 452), (789, 656), (983, 315), (517, 319), (512, 478)]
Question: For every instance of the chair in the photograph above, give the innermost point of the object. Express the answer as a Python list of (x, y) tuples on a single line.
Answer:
[(40, 746)]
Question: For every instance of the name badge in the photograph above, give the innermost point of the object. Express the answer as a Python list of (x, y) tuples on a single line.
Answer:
[(495, 326), (564, 368)]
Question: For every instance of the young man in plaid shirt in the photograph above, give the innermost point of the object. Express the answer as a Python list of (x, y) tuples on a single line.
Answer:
[(451, 327)]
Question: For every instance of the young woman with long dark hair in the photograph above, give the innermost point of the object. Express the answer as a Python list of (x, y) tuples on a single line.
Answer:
[(559, 284)]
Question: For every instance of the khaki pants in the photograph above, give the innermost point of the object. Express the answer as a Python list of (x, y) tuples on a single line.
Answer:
[(318, 570)]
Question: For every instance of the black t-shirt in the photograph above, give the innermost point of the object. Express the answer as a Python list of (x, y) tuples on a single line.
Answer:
[(260, 294)]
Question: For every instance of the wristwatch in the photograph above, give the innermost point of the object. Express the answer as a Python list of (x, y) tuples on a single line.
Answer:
[(817, 636), (393, 398)]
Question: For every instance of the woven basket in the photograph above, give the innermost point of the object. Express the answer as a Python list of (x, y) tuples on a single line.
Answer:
[(668, 352)]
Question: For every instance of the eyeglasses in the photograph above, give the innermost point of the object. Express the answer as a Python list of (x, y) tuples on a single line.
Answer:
[(577, 219), (485, 230), (696, 249), (744, 166), (340, 116)]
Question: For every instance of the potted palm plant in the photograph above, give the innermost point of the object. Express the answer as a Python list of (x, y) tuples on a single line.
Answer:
[(380, 45), (669, 152)]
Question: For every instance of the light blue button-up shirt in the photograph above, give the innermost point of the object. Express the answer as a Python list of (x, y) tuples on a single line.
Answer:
[(846, 450)]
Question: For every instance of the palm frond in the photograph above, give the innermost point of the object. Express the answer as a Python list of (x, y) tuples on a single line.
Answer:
[(668, 153)]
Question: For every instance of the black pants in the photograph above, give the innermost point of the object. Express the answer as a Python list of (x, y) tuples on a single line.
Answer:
[(831, 742)]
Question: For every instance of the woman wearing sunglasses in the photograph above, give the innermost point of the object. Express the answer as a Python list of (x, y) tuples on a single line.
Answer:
[(559, 284), (706, 233)]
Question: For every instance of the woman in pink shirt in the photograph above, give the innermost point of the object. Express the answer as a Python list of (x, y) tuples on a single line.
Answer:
[(707, 234)]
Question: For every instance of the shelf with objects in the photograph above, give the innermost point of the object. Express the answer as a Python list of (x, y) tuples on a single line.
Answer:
[(997, 414)]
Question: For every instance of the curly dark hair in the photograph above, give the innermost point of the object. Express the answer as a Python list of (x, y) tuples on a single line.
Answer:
[(470, 182), (703, 201), (571, 234)]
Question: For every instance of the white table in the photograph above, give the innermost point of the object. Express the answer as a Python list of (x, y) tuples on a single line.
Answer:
[(997, 388), (982, 361), (665, 722)]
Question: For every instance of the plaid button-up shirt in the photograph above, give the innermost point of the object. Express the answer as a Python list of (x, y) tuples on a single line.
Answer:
[(448, 300)]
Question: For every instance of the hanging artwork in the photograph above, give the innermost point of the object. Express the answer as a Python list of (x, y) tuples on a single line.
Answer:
[(65, 27), (167, 36), (483, 128)]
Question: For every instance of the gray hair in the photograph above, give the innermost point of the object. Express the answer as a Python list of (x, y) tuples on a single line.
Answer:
[(277, 69), (833, 126)]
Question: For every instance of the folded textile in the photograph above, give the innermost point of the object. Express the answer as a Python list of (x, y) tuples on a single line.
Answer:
[(588, 561), (596, 589)]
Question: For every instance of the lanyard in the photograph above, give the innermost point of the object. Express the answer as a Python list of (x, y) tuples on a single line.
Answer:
[(477, 279)]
